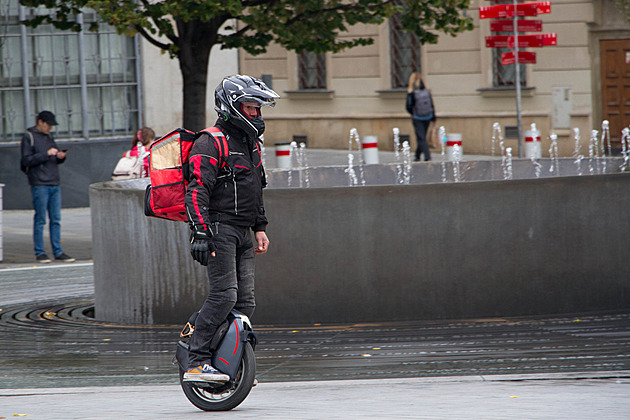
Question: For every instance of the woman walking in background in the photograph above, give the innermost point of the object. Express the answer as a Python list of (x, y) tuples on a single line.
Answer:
[(420, 105)]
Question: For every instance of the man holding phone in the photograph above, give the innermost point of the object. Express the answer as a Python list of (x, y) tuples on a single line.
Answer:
[(40, 159)]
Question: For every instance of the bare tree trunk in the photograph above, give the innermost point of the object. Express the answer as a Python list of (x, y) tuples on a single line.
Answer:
[(196, 41)]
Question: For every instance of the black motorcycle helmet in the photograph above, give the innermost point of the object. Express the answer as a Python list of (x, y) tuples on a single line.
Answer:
[(230, 95)]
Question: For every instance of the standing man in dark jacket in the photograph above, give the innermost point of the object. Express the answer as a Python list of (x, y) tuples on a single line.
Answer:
[(224, 205), (40, 158)]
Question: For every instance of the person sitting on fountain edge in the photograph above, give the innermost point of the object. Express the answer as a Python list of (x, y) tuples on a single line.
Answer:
[(223, 202)]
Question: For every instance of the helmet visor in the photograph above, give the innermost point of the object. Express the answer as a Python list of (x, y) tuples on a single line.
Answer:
[(259, 100)]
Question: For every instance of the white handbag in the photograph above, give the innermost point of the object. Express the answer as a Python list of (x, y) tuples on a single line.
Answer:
[(128, 167)]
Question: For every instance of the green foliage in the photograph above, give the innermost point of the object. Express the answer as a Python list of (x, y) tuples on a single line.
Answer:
[(314, 25)]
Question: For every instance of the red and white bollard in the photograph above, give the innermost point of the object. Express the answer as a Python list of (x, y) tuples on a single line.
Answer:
[(533, 147), (283, 155), (454, 150), (369, 146)]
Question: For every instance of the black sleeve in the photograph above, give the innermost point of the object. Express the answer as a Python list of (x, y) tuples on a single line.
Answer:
[(29, 156)]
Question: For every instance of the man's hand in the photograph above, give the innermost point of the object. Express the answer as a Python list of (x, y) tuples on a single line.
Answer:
[(262, 242), (202, 247)]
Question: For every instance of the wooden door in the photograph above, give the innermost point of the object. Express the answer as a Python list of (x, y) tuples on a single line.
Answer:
[(615, 62)]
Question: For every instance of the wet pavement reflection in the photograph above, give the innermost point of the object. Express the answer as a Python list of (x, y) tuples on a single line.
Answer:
[(56, 343)]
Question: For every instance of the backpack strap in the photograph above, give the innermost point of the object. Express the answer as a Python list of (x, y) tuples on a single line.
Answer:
[(222, 145)]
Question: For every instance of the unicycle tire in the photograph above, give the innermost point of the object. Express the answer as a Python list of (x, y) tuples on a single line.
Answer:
[(223, 397)]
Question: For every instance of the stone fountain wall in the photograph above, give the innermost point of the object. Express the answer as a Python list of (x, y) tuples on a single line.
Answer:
[(385, 253)]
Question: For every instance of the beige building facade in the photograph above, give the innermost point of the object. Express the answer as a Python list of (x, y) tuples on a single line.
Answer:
[(575, 84)]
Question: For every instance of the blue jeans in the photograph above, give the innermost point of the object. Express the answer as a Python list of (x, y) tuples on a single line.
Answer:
[(47, 198), (231, 278)]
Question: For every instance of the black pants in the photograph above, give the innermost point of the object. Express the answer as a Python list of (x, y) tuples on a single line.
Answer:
[(231, 278), (421, 136)]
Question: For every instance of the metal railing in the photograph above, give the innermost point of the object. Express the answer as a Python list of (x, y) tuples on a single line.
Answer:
[(89, 80)]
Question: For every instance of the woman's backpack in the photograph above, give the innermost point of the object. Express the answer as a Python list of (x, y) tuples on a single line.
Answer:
[(422, 104)]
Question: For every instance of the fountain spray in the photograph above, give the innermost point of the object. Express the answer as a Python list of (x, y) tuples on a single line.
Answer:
[(576, 151)]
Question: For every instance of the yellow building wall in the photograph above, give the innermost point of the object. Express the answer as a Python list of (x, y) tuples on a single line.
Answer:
[(458, 70)]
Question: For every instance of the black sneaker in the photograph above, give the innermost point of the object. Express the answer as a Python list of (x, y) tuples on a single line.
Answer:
[(42, 258), (64, 258), (205, 373)]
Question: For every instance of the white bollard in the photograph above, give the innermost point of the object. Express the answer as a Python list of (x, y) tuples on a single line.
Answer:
[(369, 146), (533, 148), (283, 155), (452, 140)]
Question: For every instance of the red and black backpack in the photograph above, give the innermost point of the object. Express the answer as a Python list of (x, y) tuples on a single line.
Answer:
[(168, 169)]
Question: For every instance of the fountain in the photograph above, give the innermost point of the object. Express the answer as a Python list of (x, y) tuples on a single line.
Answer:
[(401, 170), (350, 170), (471, 244), (508, 172), (397, 155), (303, 166), (506, 161), (497, 137), (457, 157), (354, 138), (576, 151), (553, 154), (537, 167), (593, 156), (406, 152), (605, 143), (297, 154), (625, 149), (442, 135)]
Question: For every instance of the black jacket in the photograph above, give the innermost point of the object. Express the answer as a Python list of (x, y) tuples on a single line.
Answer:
[(40, 168), (230, 193)]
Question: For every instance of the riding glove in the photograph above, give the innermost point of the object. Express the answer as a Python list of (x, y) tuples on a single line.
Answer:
[(202, 246)]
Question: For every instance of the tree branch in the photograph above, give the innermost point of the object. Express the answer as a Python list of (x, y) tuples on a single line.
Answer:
[(151, 40), (174, 39)]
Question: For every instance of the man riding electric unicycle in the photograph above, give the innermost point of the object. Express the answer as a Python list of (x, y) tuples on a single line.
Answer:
[(224, 205)]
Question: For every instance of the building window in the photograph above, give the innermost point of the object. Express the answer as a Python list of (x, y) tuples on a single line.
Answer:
[(88, 79), (405, 53), (311, 70), (505, 76)]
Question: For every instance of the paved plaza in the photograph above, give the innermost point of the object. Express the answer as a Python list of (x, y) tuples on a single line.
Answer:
[(443, 398), (58, 363)]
